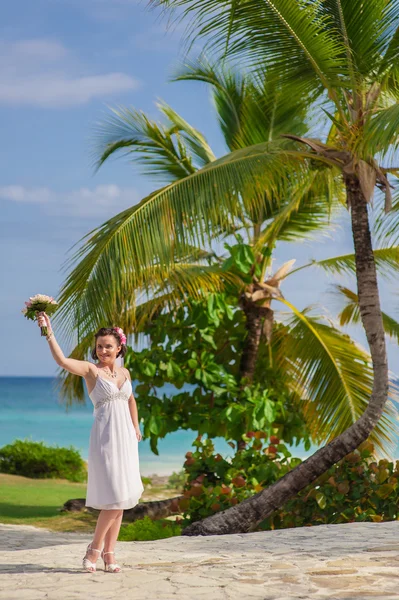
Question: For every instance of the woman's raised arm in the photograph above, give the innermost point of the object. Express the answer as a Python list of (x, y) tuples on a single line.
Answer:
[(77, 367)]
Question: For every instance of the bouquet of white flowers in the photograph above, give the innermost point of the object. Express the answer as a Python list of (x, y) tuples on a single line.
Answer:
[(40, 303)]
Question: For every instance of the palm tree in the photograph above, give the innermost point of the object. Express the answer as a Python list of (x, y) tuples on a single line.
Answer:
[(191, 211), (343, 56), (248, 110)]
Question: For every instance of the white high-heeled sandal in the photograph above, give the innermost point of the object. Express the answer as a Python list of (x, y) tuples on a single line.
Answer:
[(110, 567), (87, 564)]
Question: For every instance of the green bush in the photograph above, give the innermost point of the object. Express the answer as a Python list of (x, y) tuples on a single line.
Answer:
[(178, 480), (36, 460), (146, 530), (358, 488), (214, 483)]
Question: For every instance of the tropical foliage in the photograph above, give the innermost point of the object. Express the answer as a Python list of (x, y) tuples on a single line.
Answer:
[(215, 483), (342, 53), (248, 109), (199, 347), (310, 381), (147, 529), (162, 249), (340, 58), (358, 488)]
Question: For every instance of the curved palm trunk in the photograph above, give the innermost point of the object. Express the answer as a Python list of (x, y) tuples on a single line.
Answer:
[(245, 516)]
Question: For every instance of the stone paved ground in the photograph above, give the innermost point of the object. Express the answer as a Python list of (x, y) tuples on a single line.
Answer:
[(354, 561)]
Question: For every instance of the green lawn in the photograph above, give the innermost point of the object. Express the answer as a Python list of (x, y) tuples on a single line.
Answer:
[(38, 502)]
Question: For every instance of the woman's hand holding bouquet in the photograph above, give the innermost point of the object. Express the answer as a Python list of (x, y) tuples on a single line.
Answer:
[(36, 309)]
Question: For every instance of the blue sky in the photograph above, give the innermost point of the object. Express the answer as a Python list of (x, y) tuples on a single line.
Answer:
[(61, 63)]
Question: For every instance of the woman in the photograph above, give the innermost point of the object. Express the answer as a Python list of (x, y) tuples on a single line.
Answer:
[(114, 481)]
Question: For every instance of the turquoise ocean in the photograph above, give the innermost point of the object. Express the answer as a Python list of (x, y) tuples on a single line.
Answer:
[(30, 408)]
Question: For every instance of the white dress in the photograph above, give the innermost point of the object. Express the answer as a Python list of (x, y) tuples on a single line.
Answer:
[(113, 464)]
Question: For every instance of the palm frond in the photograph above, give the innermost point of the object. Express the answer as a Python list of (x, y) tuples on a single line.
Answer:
[(180, 215), (386, 226), (391, 53), (193, 138), (388, 65), (251, 108), (382, 133), (230, 93), (386, 261), (150, 144), (139, 247), (365, 29), (337, 375), (272, 108), (292, 39), (350, 313), (309, 210)]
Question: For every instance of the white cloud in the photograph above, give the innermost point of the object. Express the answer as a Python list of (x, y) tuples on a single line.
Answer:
[(32, 50), (55, 91), (41, 72), (18, 193), (102, 201)]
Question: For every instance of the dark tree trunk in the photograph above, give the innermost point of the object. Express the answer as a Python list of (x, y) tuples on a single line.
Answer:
[(155, 509), (254, 324), (254, 315), (245, 516)]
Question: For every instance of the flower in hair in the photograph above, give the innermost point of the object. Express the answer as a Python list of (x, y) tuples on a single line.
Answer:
[(119, 330)]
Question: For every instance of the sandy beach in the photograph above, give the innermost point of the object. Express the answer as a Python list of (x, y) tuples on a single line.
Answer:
[(353, 561)]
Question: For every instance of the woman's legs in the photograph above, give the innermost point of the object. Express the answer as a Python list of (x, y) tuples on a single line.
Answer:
[(110, 539), (107, 530), (112, 535)]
